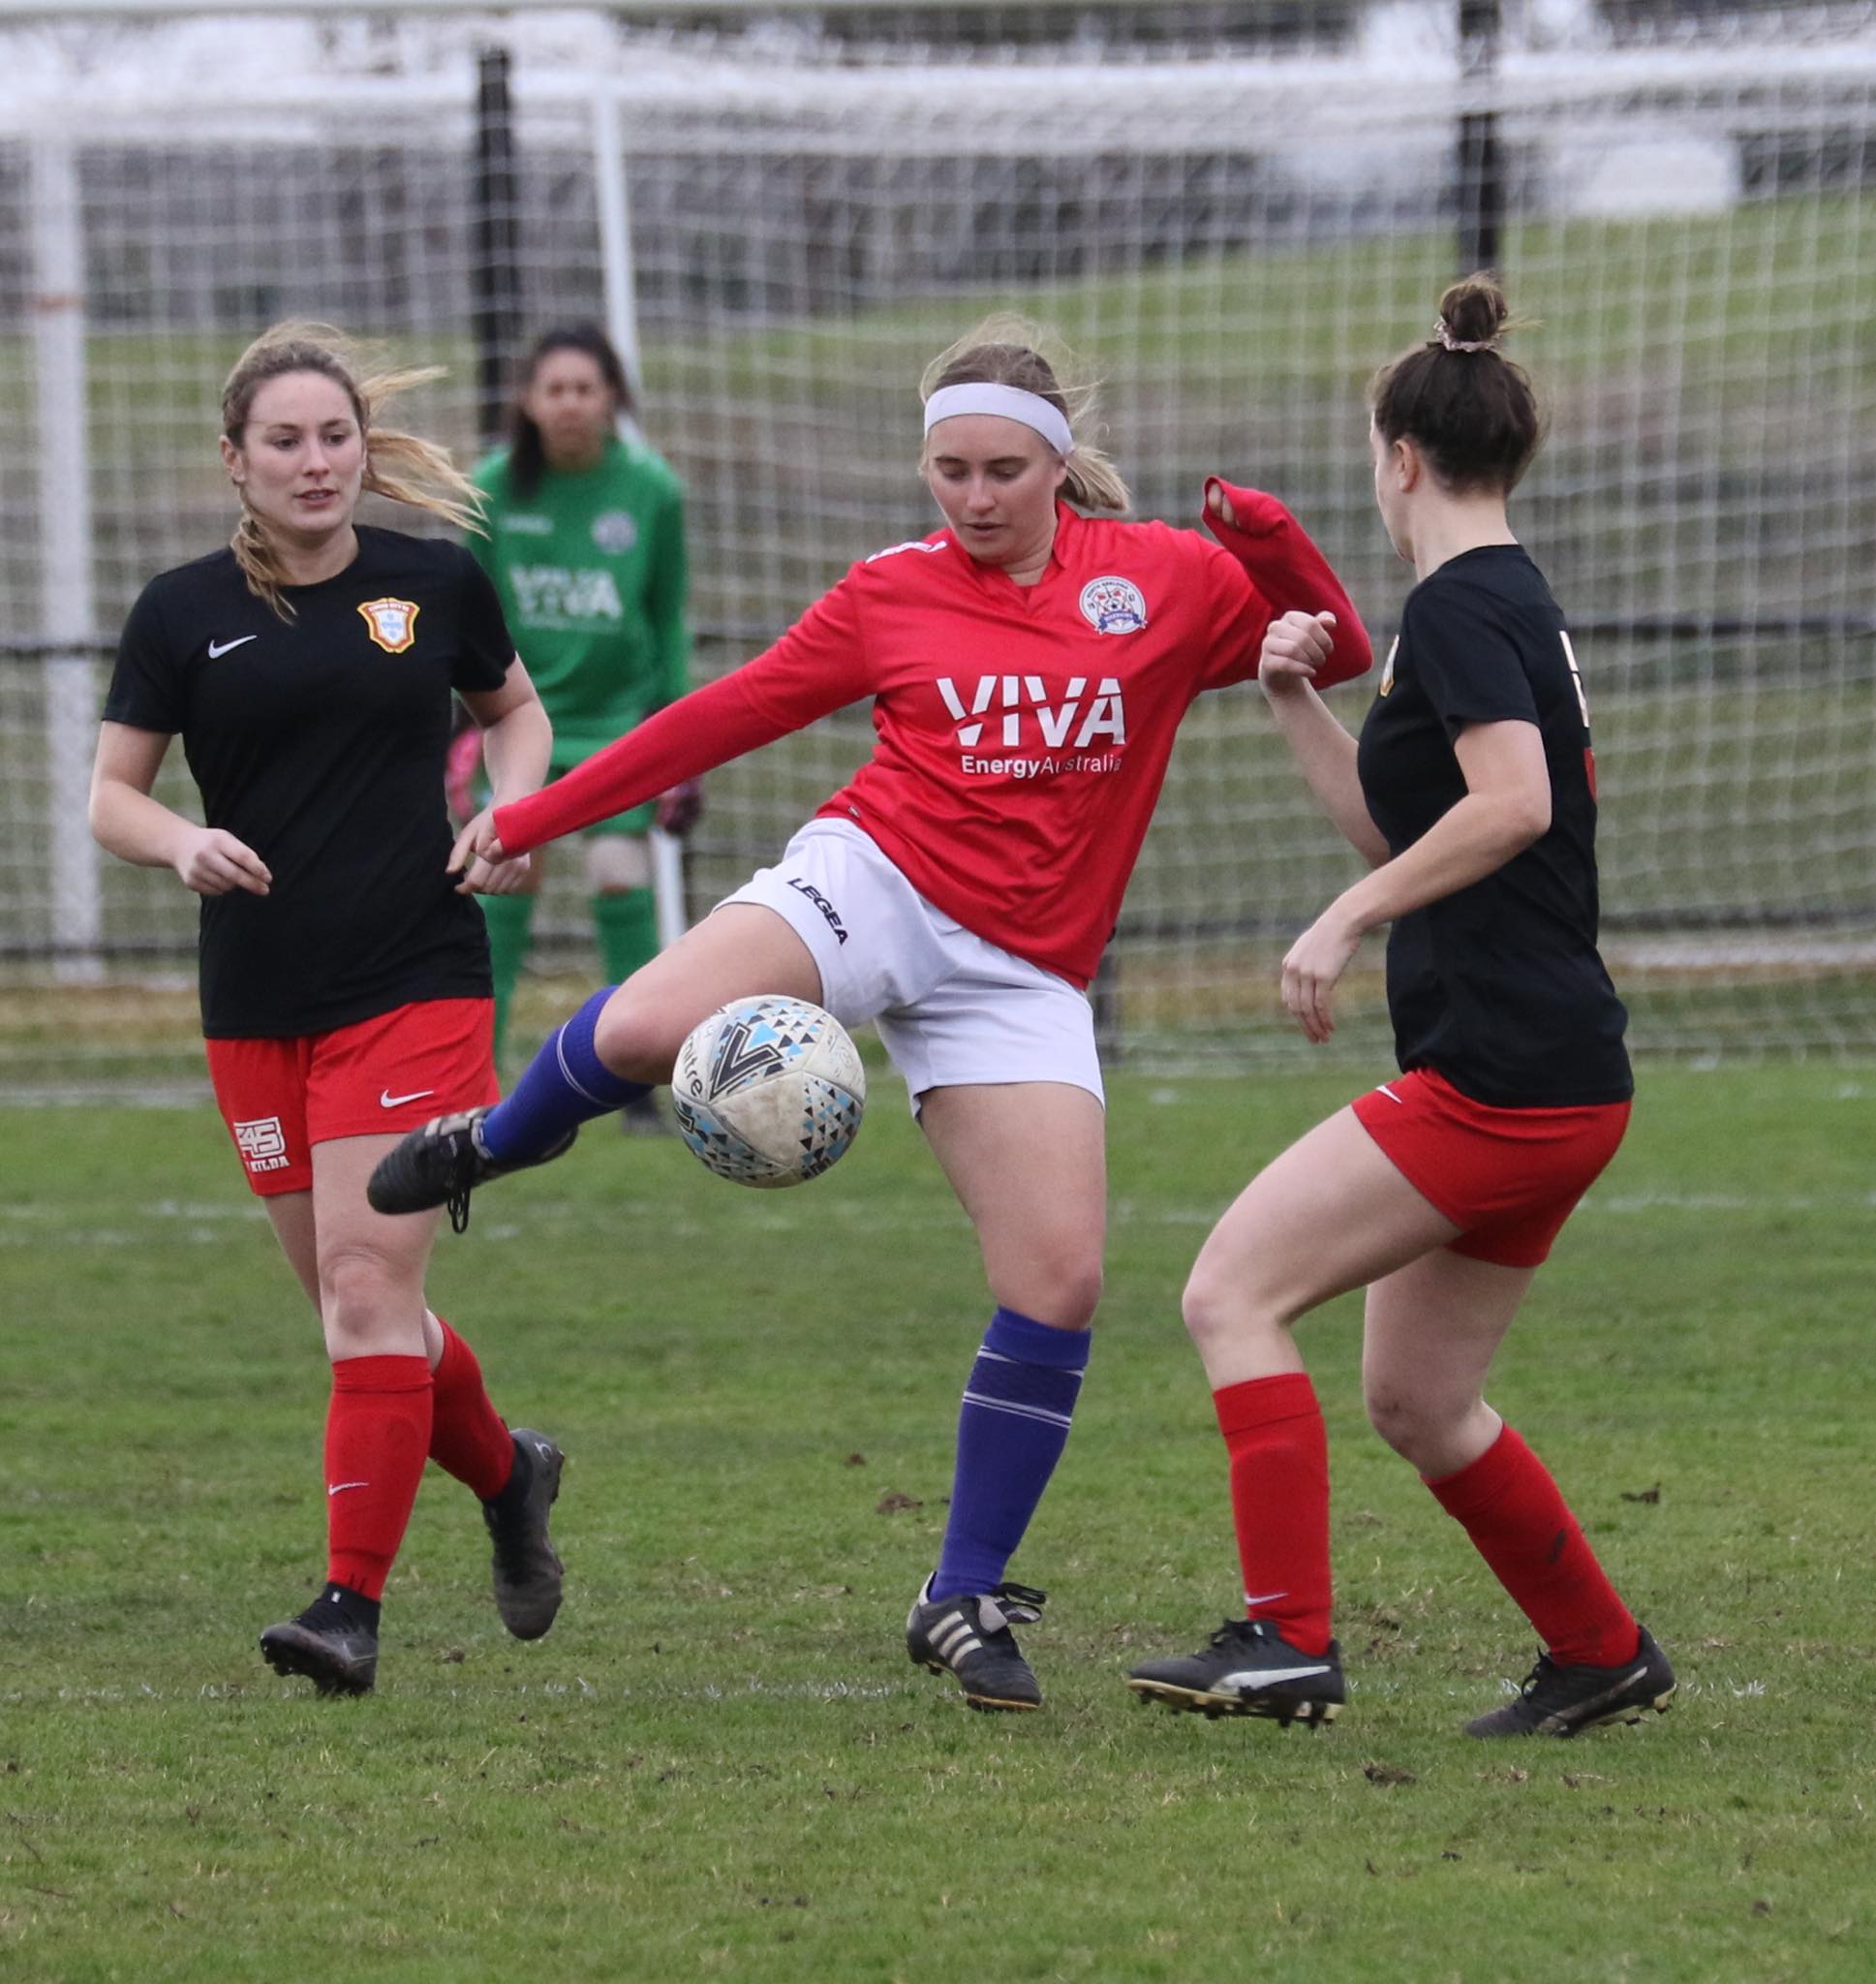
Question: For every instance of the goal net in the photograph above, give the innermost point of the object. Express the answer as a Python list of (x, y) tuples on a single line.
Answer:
[(1234, 211)]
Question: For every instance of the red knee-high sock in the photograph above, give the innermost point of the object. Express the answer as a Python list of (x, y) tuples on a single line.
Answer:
[(1522, 1526), (467, 1436), (377, 1437), (1279, 1503)]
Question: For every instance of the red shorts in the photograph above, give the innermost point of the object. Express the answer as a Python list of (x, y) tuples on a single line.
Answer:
[(393, 1072), (1510, 1177)]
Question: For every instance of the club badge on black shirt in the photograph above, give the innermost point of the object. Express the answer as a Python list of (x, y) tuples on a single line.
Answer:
[(1499, 986), (318, 741)]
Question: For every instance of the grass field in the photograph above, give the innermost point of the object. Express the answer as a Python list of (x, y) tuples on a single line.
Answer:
[(720, 1764)]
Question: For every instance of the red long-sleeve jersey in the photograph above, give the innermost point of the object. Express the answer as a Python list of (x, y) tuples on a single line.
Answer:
[(1023, 732)]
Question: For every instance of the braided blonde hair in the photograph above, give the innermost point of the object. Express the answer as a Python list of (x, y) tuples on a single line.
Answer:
[(403, 467), (1005, 350)]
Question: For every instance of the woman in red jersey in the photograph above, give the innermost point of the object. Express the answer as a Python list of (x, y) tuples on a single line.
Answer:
[(345, 982), (1028, 666), (1471, 793)]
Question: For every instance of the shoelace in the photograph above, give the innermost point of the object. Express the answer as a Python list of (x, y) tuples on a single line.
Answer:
[(1535, 1679), (1235, 1629), (1018, 1604), (457, 1204)]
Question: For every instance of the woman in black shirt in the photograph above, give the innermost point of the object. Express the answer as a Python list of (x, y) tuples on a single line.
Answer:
[(308, 669), (1471, 793)]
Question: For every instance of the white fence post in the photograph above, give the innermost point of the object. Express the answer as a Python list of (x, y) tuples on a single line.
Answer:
[(67, 604), (614, 210)]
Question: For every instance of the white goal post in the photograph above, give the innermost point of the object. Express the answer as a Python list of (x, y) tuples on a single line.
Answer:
[(781, 213)]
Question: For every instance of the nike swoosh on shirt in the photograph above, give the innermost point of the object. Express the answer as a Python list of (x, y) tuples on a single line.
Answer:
[(387, 1101), (218, 648)]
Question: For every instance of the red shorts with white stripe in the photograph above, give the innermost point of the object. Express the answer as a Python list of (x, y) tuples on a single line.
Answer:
[(1509, 1177), (385, 1074)]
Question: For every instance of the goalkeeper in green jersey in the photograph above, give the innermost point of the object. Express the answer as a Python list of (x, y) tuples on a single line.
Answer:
[(586, 548)]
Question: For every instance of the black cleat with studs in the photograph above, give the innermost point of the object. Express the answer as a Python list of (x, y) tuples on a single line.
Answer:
[(1247, 1668), (1564, 1700), (970, 1637), (333, 1643), (528, 1573), (442, 1163)]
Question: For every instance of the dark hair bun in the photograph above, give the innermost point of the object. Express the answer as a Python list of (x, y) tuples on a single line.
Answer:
[(1474, 310)]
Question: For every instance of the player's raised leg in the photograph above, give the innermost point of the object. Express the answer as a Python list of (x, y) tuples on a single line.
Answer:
[(1430, 1332), (1028, 1162), (617, 1046), (1329, 1215)]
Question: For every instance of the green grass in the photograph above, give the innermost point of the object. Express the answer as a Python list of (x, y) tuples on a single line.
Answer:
[(719, 1763)]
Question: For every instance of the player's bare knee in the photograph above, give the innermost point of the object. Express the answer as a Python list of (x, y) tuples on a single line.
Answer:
[(362, 1290), (1064, 1291), (636, 1038), (1414, 1425), (1221, 1307), (1080, 1295)]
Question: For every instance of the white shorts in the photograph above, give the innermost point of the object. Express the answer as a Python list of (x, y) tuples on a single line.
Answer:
[(951, 1007)]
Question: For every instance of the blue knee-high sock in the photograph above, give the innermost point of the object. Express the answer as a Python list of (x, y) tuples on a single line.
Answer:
[(1011, 1430), (565, 1085)]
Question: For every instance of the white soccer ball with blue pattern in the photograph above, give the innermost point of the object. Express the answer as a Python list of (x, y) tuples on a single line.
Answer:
[(769, 1090)]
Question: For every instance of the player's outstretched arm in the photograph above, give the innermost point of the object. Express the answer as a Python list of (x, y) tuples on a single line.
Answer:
[(1288, 570), (126, 821), (817, 667)]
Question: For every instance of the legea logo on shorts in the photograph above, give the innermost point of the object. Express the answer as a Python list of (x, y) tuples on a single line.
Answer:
[(1029, 719), (1112, 605), (263, 1143)]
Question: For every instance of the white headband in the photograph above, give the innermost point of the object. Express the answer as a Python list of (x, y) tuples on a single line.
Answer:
[(1008, 403)]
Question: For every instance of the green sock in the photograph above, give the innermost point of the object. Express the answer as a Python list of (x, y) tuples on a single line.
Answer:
[(627, 931), (510, 918)]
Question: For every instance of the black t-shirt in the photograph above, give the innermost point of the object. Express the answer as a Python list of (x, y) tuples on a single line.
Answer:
[(318, 741), (1498, 987)]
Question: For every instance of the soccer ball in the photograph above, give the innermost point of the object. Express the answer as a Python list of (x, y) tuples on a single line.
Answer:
[(768, 1091)]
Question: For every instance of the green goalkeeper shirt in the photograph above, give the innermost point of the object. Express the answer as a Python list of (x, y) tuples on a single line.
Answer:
[(592, 574)]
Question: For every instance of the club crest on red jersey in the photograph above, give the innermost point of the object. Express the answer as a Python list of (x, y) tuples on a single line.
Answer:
[(392, 623), (1112, 605)]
